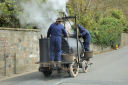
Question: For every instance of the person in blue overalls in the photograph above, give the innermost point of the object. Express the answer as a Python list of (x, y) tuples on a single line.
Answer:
[(55, 30), (86, 36)]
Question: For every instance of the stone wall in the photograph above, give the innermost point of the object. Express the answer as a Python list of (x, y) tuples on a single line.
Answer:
[(98, 48), (21, 44), (124, 39)]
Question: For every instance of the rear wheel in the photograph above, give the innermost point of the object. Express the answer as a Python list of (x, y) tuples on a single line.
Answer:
[(84, 66), (47, 73)]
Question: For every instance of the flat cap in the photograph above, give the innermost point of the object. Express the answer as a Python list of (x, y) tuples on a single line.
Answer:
[(59, 19)]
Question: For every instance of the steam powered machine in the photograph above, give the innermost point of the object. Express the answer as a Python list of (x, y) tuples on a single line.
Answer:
[(74, 56)]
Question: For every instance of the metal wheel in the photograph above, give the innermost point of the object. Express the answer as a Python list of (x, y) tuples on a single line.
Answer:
[(85, 66), (73, 69), (47, 73)]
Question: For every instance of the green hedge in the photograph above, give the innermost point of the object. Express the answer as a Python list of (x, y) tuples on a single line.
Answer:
[(9, 9), (109, 29)]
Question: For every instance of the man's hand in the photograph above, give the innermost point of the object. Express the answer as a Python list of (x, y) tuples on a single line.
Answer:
[(79, 36)]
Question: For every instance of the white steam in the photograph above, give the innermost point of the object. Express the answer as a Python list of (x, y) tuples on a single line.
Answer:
[(68, 27), (40, 14)]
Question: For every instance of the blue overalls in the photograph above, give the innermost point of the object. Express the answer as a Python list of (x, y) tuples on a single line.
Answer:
[(55, 40), (86, 36)]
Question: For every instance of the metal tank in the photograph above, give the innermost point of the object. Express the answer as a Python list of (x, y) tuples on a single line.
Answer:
[(69, 45), (44, 45)]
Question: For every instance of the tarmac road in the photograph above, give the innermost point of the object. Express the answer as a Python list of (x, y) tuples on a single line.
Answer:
[(109, 68)]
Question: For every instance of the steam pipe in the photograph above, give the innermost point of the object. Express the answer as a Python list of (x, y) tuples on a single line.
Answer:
[(64, 18), (41, 36)]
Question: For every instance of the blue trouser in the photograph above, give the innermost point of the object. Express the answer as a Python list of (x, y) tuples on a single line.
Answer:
[(55, 41), (87, 40)]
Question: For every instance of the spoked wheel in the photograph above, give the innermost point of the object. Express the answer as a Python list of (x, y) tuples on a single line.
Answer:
[(73, 69), (85, 66)]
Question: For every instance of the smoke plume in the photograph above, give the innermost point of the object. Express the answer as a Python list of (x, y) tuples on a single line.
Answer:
[(41, 14)]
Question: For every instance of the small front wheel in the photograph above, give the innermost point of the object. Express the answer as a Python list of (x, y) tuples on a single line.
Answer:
[(85, 66)]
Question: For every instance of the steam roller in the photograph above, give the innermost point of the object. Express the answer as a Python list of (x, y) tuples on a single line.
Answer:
[(73, 57)]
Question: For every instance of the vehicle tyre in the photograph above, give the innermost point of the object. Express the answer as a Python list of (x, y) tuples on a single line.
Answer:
[(84, 66), (73, 69), (47, 73)]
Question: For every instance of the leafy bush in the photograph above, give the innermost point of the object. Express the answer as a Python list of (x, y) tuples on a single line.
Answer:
[(126, 29), (8, 13), (109, 31)]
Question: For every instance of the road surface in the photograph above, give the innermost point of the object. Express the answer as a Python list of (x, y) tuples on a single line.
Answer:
[(109, 68)]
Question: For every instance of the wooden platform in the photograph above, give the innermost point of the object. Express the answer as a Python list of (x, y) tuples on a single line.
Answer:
[(54, 62)]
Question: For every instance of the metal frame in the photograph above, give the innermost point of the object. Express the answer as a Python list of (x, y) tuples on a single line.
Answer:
[(76, 27)]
